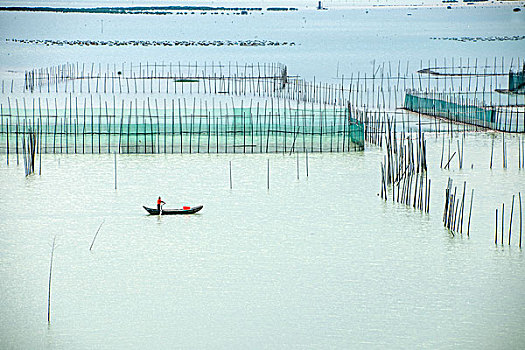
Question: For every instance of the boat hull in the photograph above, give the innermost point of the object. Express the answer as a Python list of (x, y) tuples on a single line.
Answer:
[(192, 210)]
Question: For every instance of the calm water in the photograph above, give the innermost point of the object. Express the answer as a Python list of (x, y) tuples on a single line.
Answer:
[(329, 43), (317, 262)]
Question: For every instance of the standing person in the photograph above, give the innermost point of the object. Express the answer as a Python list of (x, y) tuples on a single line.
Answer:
[(159, 202)]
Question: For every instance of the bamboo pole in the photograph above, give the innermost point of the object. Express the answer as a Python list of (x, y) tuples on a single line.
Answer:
[(511, 213), (491, 152), (306, 162), (470, 212), (521, 213), (96, 233), (496, 232), (49, 287), (502, 221), (268, 175)]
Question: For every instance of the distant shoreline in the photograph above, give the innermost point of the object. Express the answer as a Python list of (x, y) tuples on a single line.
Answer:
[(140, 9), (244, 10)]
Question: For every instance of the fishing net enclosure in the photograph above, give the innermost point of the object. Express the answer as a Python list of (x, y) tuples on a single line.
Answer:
[(180, 128), (456, 108), (517, 81), (448, 106)]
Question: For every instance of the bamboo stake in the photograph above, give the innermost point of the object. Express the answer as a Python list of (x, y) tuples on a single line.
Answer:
[(450, 160), (96, 233), (268, 175), (511, 213), (49, 288), (521, 222), (470, 212), (502, 221), (491, 152), (306, 162), (496, 233)]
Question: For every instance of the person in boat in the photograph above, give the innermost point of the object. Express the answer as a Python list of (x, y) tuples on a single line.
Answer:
[(159, 202)]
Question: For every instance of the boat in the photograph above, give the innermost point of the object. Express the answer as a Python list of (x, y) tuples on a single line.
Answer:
[(184, 210)]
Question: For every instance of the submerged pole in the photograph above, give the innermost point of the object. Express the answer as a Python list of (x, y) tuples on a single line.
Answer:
[(496, 233), (491, 152), (96, 233), (511, 213), (502, 221), (306, 163), (268, 175), (521, 222), (470, 213), (49, 288)]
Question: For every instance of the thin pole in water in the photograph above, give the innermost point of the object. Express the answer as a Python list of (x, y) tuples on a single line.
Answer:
[(521, 223), (511, 213), (496, 233), (470, 212), (502, 221), (96, 233), (306, 163), (491, 152), (49, 288), (268, 175)]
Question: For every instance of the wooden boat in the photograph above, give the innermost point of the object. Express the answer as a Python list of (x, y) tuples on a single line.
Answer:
[(155, 211)]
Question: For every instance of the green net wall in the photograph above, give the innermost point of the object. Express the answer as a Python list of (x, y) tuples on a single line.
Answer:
[(449, 107), (191, 130), (517, 81)]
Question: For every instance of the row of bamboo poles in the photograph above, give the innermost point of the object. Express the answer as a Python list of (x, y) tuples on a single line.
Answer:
[(404, 161), (30, 146), (459, 152), (404, 165), (458, 108), (181, 126), (381, 89), (454, 209), (376, 128), (510, 222)]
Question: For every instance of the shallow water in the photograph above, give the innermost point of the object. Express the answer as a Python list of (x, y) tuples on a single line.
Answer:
[(315, 262)]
